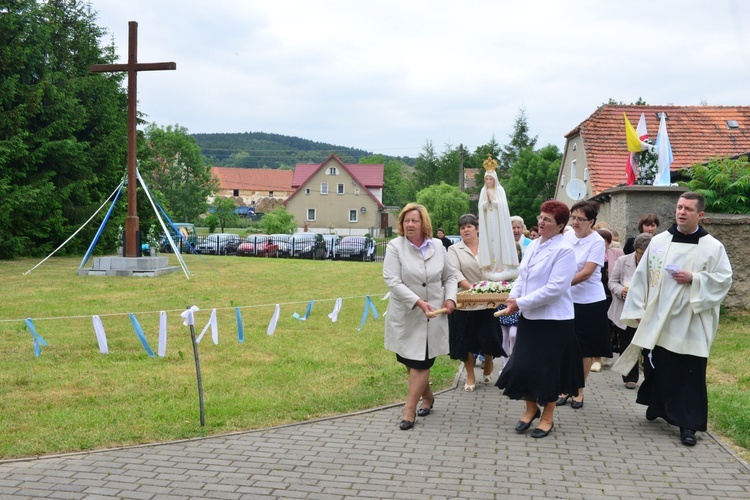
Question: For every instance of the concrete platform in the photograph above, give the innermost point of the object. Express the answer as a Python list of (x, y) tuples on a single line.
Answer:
[(129, 266)]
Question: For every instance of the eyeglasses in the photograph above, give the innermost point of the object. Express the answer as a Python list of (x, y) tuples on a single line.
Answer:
[(579, 219), (539, 218)]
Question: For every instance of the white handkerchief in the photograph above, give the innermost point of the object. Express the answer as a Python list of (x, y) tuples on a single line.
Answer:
[(187, 314)]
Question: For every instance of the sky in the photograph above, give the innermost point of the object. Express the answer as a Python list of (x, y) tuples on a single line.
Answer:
[(388, 76)]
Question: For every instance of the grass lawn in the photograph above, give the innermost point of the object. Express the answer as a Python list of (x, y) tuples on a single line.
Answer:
[(74, 398)]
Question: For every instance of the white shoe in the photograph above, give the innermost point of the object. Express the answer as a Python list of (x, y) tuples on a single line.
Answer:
[(596, 367)]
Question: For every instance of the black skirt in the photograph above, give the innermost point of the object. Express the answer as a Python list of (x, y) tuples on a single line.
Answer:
[(475, 332), (592, 329), (546, 362), (675, 389)]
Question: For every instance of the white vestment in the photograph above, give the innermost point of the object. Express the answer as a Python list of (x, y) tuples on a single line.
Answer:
[(682, 318), (497, 246)]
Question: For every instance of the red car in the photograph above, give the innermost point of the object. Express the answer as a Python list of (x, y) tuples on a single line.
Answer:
[(260, 246)]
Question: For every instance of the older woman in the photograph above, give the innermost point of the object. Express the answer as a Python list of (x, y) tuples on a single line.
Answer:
[(589, 299), (545, 360), (421, 280), (476, 330), (619, 282), (648, 224)]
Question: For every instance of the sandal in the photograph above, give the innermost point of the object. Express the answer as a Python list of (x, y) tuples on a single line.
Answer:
[(487, 378), (469, 388)]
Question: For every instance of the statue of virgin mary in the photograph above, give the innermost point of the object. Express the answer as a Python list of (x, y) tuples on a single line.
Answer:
[(498, 256)]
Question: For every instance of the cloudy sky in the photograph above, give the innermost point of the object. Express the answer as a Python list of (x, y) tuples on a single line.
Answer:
[(387, 76)]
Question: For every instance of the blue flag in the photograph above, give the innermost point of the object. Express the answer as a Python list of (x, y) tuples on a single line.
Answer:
[(141, 337), (369, 306), (38, 340)]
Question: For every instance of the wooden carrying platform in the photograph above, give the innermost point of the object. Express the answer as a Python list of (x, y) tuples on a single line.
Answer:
[(488, 300)]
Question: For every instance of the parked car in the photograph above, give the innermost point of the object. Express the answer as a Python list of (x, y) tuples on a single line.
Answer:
[(454, 238), (356, 248), (308, 245), (262, 246), (283, 245), (332, 245), (259, 245), (219, 244)]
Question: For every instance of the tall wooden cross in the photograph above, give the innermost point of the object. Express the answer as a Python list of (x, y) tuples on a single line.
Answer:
[(132, 249)]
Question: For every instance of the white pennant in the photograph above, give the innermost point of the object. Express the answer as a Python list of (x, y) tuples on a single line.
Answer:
[(336, 308), (187, 315), (214, 329), (101, 337), (274, 320), (162, 333)]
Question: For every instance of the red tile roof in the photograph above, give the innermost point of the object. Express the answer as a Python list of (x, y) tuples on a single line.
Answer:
[(696, 133), (369, 176), (253, 179)]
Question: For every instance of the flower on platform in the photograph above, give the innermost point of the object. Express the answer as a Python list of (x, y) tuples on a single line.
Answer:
[(491, 287)]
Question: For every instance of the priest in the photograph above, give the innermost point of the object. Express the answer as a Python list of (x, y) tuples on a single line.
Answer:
[(673, 301)]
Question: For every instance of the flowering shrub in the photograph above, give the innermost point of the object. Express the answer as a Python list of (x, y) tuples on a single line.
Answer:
[(648, 165), (491, 287)]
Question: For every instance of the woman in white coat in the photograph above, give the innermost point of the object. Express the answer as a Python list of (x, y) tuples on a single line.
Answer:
[(421, 281)]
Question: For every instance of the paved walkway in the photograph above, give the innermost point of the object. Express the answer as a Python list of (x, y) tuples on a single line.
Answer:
[(465, 449)]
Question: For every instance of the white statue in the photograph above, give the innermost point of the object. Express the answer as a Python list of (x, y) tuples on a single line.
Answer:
[(498, 256)]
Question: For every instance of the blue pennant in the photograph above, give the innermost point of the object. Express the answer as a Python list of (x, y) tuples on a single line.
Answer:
[(240, 329), (38, 340), (369, 305), (139, 333), (307, 313)]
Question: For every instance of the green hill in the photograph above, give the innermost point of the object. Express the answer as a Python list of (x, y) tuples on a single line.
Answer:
[(262, 150)]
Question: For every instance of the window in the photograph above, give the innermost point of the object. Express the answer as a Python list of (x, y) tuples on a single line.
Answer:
[(732, 124), (235, 192), (340, 188), (270, 194), (353, 215), (310, 214), (356, 191), (307, 190), (323, 188), (333, 171)]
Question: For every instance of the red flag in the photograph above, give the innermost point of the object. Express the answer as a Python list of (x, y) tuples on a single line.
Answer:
[(630, 169)]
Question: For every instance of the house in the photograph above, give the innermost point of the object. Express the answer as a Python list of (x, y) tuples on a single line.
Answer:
[(337, 197), (596, 151), (249, 186)]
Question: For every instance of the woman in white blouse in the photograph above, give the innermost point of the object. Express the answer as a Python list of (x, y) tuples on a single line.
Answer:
[(589, 299), (545, 360)]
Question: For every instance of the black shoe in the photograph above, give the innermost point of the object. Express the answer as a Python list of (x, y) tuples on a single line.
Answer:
[(576, 405), (405, 425), (539, 433), (423, 412), (687, 437), (522, 426), (563, 400)]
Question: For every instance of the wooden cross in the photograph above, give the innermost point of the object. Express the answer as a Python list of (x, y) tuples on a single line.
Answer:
[(132, 233)]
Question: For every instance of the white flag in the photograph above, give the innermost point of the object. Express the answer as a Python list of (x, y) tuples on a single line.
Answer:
[(162, 351), (101, 337), (274, 320), (336, 308)]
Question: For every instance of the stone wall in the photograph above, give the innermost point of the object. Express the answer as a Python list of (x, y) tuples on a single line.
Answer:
[(734, 232), (622, 207)]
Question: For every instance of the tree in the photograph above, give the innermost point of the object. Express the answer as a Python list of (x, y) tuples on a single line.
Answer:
[(426, 169), (519, 140), (278, 221), (62, 128), (445, 204), (532, 182), (397, 190), (171, 163), (224, 212), (724, 183)]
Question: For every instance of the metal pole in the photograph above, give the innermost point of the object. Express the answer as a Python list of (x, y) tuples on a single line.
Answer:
[(197, 371)]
